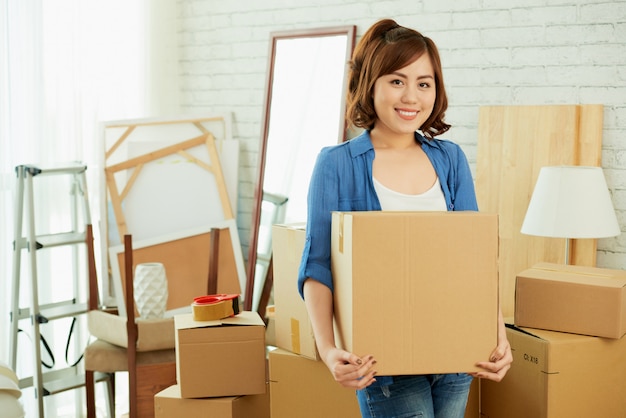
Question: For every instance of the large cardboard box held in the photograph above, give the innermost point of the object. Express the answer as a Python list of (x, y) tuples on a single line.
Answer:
[(293, 331), (220, 358), (304, 388), (169, 404), (576, 299), (418, 290), (558, 375)]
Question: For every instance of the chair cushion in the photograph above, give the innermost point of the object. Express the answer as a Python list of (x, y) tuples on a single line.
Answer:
[(105, 357), (153, 334)]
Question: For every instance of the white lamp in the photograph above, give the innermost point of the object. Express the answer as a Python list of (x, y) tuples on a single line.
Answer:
[(571, 202)]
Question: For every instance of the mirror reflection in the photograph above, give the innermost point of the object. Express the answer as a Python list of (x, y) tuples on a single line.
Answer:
[(305, 107)]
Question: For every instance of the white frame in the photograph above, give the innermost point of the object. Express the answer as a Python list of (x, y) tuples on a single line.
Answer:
[(109, 290)]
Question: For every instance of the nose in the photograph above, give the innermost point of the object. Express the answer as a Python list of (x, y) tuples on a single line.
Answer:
[(410, 94)]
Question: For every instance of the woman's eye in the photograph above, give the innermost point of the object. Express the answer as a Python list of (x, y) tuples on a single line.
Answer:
[(396, 82), (424, 85)]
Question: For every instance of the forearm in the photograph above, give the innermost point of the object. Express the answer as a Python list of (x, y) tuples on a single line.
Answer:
[(501, 325), (319, 303)]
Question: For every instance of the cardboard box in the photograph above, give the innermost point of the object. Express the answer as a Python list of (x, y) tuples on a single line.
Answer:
[(558, 375), (576, 299), (169, 404), (418, 290), (293, 327), (472, 410), (220, 358), (304, 388)]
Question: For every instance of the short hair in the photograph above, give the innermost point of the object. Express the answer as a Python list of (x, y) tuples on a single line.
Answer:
[(383, 49)]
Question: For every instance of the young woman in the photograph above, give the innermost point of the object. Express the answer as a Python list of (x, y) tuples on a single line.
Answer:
[(395, 90)]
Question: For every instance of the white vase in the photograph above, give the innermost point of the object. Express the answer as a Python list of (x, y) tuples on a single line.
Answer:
[(150, 287)]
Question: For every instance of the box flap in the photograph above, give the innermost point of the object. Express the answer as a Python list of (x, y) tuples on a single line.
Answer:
[(581, 270), (186, 321), (553, 337), (593, 276)]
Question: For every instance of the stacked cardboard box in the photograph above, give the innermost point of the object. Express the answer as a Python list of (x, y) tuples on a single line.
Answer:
[(292, 328), (304, 388), (575, 299), (220, 369), (291, 395), (404, 264), (569, 349), (170, 403)]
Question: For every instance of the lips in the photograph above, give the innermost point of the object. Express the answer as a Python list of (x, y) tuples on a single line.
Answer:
[(407, 114)]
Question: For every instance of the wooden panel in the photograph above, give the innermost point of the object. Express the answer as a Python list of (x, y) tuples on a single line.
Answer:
[(590, 153), (514, 142), (186, 262)]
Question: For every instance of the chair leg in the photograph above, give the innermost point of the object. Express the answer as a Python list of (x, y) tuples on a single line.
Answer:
[(111, 394), (91, 394), (132, 394)]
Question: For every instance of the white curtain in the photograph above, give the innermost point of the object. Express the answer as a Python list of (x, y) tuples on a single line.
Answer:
[(65, 67)]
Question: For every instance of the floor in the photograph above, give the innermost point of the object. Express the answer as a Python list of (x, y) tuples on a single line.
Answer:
[(70, 404)]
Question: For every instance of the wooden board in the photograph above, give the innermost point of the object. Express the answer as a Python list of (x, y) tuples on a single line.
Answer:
[(514, 142), (186, 261)]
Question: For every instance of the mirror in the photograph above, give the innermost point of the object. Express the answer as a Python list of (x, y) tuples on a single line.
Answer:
[(304, 111)]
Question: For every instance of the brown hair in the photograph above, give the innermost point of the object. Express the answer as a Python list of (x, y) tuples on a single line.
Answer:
[(383, 49)]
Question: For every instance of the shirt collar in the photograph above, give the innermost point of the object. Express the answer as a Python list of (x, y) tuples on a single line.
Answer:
[(363, 143)]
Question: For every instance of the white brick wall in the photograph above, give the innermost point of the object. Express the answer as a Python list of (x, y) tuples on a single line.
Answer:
[(494, 52)]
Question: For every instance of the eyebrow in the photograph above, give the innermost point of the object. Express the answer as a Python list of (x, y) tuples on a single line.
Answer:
[(421, 77)]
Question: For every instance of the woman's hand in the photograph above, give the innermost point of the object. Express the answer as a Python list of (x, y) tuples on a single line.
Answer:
[(499, 362), (350, 370), (501, 358)]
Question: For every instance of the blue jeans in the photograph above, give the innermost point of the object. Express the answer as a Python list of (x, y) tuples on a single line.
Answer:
[(423, 396)]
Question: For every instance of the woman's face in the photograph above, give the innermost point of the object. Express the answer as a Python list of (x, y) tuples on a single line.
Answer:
[(404, 99)]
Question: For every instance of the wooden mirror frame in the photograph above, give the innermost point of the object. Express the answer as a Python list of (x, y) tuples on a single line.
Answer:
[(350, 33)]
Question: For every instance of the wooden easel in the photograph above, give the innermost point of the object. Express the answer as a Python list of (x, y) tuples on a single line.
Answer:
[(137, 163)]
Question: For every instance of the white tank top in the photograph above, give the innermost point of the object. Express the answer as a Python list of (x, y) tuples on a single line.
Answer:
[(431, 200)]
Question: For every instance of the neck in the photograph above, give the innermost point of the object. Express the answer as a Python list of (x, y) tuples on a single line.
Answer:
[(392, 140)]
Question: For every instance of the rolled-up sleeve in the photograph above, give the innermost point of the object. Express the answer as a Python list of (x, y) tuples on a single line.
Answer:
[(323, 196), (464, 184)]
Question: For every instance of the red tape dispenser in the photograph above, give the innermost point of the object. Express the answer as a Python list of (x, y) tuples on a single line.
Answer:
[(214, 307)]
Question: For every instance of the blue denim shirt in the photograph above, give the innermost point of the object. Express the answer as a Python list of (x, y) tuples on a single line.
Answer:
[(342, 181)]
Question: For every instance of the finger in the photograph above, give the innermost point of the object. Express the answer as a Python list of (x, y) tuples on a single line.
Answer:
[(488, 366), (355, 360), (361, 361), (350, 372), (361, 376), (493, 366), (362, 382), (499, 353), (496, 377), (492, 371)]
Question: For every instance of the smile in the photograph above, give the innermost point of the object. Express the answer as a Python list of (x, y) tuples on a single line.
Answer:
[(407, 113)]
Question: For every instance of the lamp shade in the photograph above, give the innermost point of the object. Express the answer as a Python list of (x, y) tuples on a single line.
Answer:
[(571, 202)]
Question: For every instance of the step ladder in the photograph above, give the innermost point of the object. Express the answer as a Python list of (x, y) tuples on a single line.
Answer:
[(26, 238)]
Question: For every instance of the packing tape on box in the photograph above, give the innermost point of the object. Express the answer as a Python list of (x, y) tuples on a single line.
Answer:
[(214, 307)]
